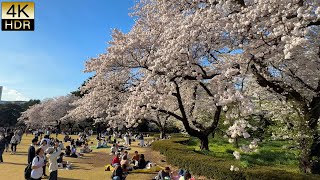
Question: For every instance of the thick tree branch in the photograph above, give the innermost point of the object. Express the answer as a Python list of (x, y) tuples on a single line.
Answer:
[(194, 98), (206, 89), (290, 93)]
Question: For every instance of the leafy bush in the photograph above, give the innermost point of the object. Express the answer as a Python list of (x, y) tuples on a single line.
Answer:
[(218, 168)]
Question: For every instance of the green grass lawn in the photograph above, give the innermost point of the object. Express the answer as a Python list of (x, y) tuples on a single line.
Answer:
[(90, 167), (276, 154)]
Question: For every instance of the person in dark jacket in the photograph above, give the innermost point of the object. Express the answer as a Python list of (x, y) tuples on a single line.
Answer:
[(142, 162), (32, 150), (164, 174), (2, 145), (117, 173), (8, 139)]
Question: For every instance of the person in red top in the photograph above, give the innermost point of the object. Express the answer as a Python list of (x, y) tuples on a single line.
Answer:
[(116, 159)]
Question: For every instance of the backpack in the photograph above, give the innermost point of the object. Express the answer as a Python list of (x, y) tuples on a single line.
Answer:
[(28, 169)]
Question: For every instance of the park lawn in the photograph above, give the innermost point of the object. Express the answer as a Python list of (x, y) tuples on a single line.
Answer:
[(90, 167), (275, 154)]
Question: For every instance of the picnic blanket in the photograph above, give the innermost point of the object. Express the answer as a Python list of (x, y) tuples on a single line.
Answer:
[(152, 169), (95, 147)]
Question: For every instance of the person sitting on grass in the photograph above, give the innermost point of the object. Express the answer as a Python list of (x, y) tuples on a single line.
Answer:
[(186, 176), (113, 149), (61, 146), (99, 145), (60, 161), (86, 148), (117, 173), (74, 153), (116, 160), (68, 151), (121, 152), (104, 144), (126, 154), (141, 163), (125, 170), (67, 138), (164, 174), (125, 161), (135, 158)]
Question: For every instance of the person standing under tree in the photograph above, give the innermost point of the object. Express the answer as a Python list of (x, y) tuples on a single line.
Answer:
[(37, 164), (32, 150), (141, 140), (7, 140), (44, 146), (14, 141), (52, 155), (2, 145)]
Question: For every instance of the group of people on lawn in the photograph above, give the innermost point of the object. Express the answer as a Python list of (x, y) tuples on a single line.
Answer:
[(11, 137), (122, 165), (48, 151)]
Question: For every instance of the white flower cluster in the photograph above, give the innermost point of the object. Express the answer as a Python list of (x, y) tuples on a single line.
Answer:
[(238, 129), (234, 168), (252, 147)]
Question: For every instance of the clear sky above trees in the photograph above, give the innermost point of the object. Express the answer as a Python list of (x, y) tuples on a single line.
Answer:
[(49, 61)]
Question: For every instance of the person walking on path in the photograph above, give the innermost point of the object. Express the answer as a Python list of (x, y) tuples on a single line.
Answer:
[(20, 134), (32, 150), (14, 141), (52, 154), (141, 140), (2, 145), (37, 164), (7, 141)]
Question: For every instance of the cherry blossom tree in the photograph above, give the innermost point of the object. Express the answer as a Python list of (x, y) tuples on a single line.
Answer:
[(169, 58), (105, 95), (197, 54), (49, 112), (280, 41)]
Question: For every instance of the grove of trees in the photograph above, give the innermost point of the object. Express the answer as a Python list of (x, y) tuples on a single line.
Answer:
[(205, 63)]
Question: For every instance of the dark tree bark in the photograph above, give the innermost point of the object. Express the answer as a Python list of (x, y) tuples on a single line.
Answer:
[(204, 145)]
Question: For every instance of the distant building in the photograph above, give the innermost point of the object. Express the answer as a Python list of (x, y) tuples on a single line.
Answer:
[(13, 102), (1, 92), (9, 102)]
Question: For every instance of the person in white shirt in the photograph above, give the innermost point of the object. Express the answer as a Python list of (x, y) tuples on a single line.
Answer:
[(61, 146), (44, 146), (52, 154), (46, 138), (37, 164)]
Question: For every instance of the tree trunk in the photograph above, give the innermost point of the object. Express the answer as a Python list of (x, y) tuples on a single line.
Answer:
[(204, 143), (236, 143), (162, 133), (309, 144)]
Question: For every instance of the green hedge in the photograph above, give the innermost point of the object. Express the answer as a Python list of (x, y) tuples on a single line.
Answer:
[(180, 155)]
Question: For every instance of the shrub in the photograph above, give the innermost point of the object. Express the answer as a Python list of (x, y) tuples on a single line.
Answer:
[(218, 168)]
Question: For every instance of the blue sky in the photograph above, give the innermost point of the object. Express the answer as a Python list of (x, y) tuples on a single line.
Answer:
[(49, 61)]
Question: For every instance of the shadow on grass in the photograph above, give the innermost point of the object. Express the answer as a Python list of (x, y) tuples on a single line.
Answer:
[(20, 154), (77, 167), (267, 158), (15, 163)]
